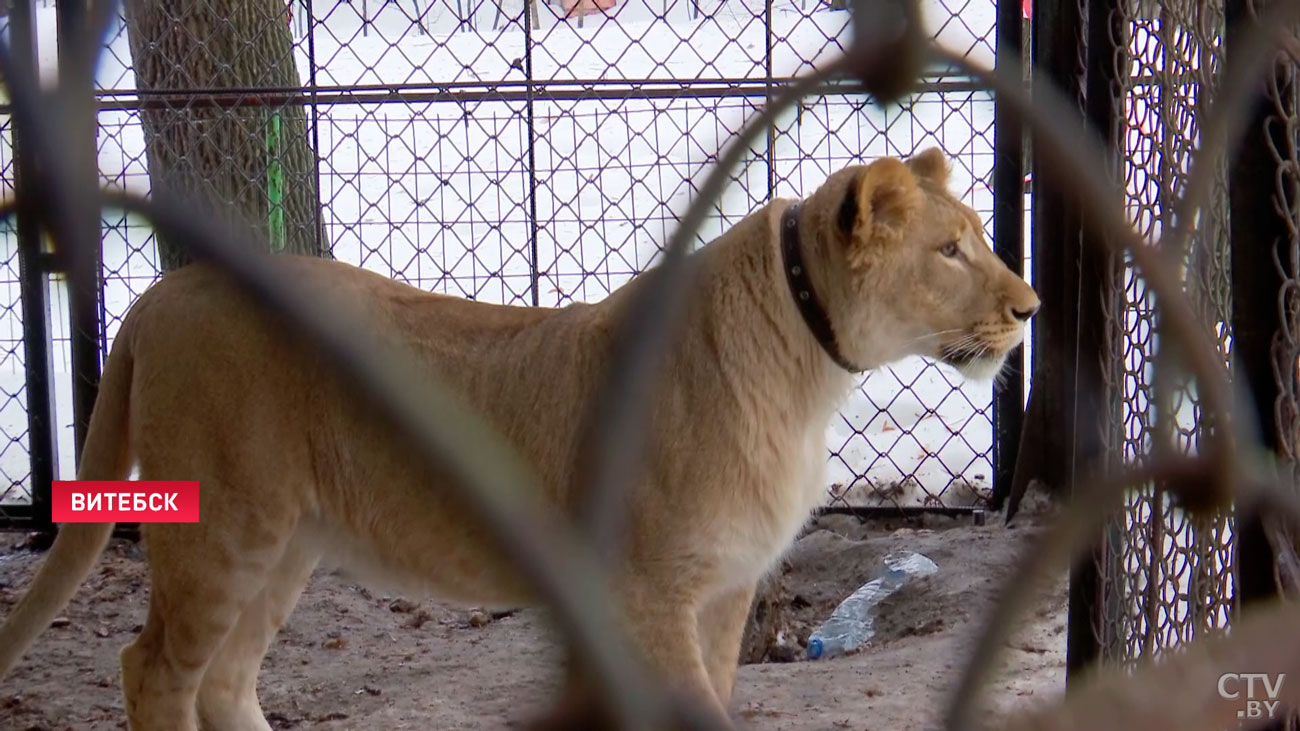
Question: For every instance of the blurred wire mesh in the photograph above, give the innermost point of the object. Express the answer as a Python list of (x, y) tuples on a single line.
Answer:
[(1166, 576)]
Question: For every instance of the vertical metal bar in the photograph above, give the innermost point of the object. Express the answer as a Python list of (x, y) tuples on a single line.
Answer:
[(1207, 588), (1152, 596), (1046, 452), (1009, 244), (1054, 38), (1070, 275), (1058, 27), (767, 76), (323, 244), (1096, 274), (1260, 245), (85, 276), (1053, 219), (42, 432), (530, 91)]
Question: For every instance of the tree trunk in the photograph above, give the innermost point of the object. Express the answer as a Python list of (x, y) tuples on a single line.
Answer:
[(250, 162)]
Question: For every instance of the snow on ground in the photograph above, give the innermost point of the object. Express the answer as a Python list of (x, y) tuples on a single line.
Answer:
[(436, 193)]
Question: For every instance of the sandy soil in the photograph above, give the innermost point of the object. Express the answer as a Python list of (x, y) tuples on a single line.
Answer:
[(350, 658)]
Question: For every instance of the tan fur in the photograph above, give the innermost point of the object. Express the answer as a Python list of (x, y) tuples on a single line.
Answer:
[(294, 468)]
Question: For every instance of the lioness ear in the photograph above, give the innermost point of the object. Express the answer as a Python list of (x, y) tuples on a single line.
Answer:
[(930, 164), (880, 202), (848, 215)]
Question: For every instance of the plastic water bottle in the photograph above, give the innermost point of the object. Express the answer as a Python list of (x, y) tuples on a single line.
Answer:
[(852, 622)]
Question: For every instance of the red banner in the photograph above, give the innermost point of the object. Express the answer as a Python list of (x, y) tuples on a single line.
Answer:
[(125, 501)]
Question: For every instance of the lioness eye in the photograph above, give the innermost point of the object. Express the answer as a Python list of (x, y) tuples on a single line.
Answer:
[(950, 249)]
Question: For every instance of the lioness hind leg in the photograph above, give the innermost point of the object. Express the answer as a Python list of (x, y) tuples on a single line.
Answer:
[(201, 583), (227, 699)]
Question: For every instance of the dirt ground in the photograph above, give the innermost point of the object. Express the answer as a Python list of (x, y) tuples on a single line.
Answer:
[(349, 658)]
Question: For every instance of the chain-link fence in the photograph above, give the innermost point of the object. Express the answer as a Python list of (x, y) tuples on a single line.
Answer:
[(15, 471), (532, 154)]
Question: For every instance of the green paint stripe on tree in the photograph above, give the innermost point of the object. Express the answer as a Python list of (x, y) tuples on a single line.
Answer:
[(275, 184)]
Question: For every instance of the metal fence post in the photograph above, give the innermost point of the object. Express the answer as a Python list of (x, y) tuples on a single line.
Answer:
[(1009, 243), (1046, 453), (530, 100), (1097, 274), (1261, 265), (770, 155), (33, 264), (84, 274), (313, 89), (1074, 52)]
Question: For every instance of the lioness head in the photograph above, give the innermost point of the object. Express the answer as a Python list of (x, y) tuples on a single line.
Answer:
[(909, 271)]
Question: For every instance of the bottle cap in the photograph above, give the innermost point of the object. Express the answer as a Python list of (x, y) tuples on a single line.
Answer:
[(815, 649)]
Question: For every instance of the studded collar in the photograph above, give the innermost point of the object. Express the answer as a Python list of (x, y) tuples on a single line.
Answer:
[(801, 288)]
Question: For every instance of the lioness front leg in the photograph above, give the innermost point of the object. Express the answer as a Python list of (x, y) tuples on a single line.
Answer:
[(665, 626), (722, 627)]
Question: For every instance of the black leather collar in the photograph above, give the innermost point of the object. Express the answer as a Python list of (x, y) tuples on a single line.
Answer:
[(801, 287)]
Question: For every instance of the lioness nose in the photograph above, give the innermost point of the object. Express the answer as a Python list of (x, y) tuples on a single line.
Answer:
[(1023, 315)]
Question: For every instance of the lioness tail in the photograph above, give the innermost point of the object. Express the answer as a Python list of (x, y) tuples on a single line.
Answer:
[(106, 456)]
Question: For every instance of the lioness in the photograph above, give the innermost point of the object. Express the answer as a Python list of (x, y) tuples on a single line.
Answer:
[(881, 262)]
